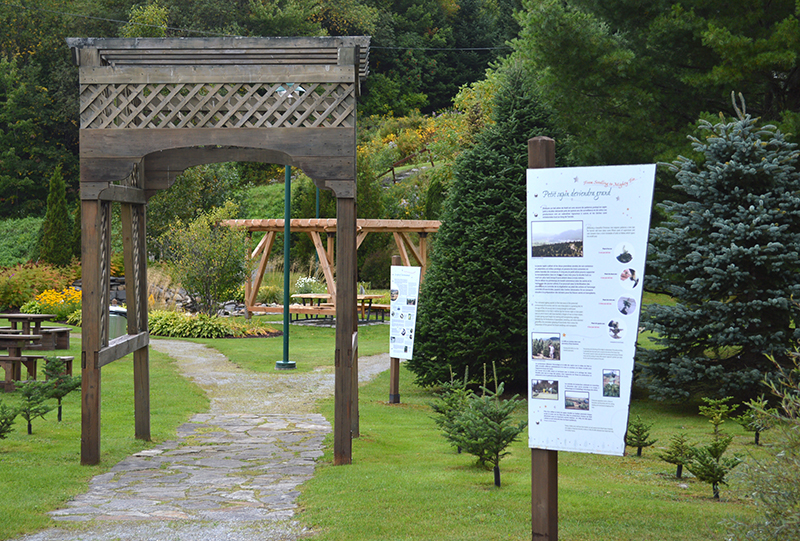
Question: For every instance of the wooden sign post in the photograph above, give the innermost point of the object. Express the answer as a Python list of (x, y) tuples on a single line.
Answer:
[(544, 463), (394, 362)]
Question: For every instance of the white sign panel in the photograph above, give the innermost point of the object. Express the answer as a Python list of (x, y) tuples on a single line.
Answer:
[(587, 242), (403, 311)]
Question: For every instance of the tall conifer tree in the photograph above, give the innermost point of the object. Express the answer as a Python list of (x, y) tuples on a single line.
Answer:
[(55, 246), (473, 301), (728, 255)]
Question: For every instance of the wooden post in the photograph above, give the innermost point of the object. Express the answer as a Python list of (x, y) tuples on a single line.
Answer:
[(544, 463), (346, 326), (91, 285), (134, 251), (394, 362)]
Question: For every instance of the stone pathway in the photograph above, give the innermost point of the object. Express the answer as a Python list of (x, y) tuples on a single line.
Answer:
[(232, 474)]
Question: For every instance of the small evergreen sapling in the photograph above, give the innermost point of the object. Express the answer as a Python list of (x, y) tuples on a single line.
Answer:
[(60, 383), (34, 394), (7, 416), (709, 463), (638, 435), (453, 400), (717, 410), (679, 453), (758, 418), (487, 428)]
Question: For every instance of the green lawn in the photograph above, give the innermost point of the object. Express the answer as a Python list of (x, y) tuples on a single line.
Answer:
[(406, 483), (38, 473), (309, 346)]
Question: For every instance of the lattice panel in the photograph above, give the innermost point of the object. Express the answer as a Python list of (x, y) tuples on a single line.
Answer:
[(222, 105)]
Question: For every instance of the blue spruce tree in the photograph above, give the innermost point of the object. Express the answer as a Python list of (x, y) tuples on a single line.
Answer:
[(728, 255)]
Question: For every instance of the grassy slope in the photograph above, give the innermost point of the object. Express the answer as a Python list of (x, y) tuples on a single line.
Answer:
[(406, 483), (39, 473)]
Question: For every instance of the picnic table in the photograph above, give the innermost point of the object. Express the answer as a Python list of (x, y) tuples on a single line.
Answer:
[(26, 320), (15, 360), (364, 304), (54, 337)]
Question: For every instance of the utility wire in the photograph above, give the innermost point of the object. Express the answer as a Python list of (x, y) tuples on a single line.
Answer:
[(216, 34)]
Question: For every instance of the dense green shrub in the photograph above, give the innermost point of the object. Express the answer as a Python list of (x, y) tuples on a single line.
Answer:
[(21, 283), (18, 240), (182, 325)]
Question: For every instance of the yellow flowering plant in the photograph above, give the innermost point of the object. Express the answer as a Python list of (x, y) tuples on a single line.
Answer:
[(61, 303)]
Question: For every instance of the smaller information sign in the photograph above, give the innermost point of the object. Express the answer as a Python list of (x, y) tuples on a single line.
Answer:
[(403, 311), (587, 241)]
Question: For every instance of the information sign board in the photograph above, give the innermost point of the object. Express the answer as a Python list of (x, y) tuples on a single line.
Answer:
[(587, 242), (403, 311)]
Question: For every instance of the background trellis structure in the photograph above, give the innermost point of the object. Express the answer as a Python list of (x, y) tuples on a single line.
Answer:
[(152, 107)]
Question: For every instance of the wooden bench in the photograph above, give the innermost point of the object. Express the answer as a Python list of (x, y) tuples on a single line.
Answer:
[(13, 369), (383, 309), (55, 338)]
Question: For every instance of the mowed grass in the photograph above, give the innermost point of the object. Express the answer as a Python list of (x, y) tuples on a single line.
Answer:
[(39, 473), (310, 347), (406, 483)]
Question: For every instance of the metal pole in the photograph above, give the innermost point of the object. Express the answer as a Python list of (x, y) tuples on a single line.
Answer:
[(286, 364), (544, 462)]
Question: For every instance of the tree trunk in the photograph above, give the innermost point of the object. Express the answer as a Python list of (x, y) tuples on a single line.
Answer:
[(30, 429), (638, 451), (680, 471), (715, 488), (59, 410), (497, 476), (758, 436)]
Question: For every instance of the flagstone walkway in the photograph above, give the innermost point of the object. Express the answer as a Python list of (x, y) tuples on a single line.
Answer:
[(232, 474)]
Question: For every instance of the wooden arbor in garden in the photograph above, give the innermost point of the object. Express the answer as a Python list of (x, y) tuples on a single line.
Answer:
[(400, 229), (152, 107)]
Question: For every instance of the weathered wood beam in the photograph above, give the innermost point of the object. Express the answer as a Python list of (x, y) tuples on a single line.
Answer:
[(124, 345), (265, 248), (327, 270), (148, 74), (398, 240)]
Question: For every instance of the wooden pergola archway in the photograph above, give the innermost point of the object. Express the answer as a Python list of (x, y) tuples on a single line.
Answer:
[(400, 229), (152, 107)]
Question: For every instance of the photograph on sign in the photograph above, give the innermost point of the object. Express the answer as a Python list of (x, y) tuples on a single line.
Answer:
[(587, 239), (404, 296)]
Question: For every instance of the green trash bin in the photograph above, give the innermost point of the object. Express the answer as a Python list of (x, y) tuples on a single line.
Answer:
[(117, 322)]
